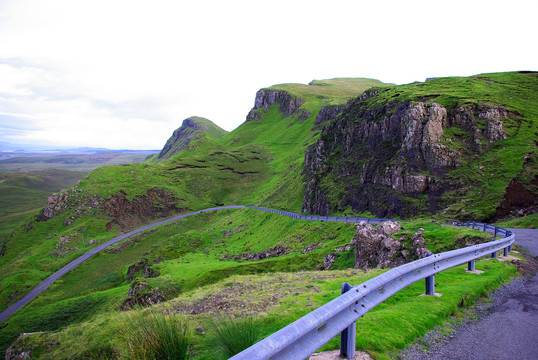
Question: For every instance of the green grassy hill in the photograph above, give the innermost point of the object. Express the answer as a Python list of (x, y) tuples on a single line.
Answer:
[(193, 132), (23, 194), (259, 163)]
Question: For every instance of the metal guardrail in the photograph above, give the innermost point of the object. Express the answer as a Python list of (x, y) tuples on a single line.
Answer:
[(303, 337), (321, 218)]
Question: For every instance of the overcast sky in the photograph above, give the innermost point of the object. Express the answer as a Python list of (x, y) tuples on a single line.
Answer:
[(124, 74)]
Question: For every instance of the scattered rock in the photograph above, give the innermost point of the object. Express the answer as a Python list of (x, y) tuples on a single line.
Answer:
[(140, 293), (343, 248), (328, 261), (142, 268), (275, 251), (20, 349), (14, 295), (63, 246), (310, 247)]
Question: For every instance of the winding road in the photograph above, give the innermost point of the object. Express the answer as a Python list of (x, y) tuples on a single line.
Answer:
[(513, 324), (73, 264)]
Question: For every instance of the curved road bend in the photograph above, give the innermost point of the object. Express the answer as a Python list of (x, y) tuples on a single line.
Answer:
[(73, 264), (509, 330), (46, 283)]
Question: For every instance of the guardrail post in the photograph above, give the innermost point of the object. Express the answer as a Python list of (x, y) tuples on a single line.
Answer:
[(348, 335), (505, 251), (494, 255), (470, 266), (495, 233), (430, 283), (509, 247)]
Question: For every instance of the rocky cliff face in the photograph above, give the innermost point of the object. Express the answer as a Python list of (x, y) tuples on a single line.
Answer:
[(389, 158), (327, 113), (265, 98)]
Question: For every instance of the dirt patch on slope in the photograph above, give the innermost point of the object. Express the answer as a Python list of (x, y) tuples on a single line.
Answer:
[(518, 198), (253, 297)]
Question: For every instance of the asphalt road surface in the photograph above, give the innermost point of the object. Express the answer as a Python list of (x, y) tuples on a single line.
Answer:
[(528, 238), (508, 328)]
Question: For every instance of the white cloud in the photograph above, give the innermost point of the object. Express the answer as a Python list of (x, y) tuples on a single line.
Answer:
[(90, 65)]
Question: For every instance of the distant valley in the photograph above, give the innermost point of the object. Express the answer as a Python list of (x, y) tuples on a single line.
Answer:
[(83, 160)]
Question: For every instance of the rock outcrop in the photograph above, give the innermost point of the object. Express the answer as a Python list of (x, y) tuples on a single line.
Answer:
[(274, 251), (376, 248), (143, 268), (125, 213), (327, 113), (288, 104), (22, 349), (383, 157), (519, 200), (142, 294)]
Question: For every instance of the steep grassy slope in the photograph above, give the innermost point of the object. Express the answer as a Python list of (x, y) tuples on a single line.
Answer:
[(287, 137), (22, 194)]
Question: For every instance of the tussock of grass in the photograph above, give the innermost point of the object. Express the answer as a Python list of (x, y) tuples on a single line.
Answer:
[(233, 335), (153, 335)]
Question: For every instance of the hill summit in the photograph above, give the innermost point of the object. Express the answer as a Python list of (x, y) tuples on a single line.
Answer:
[(193, 129)]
